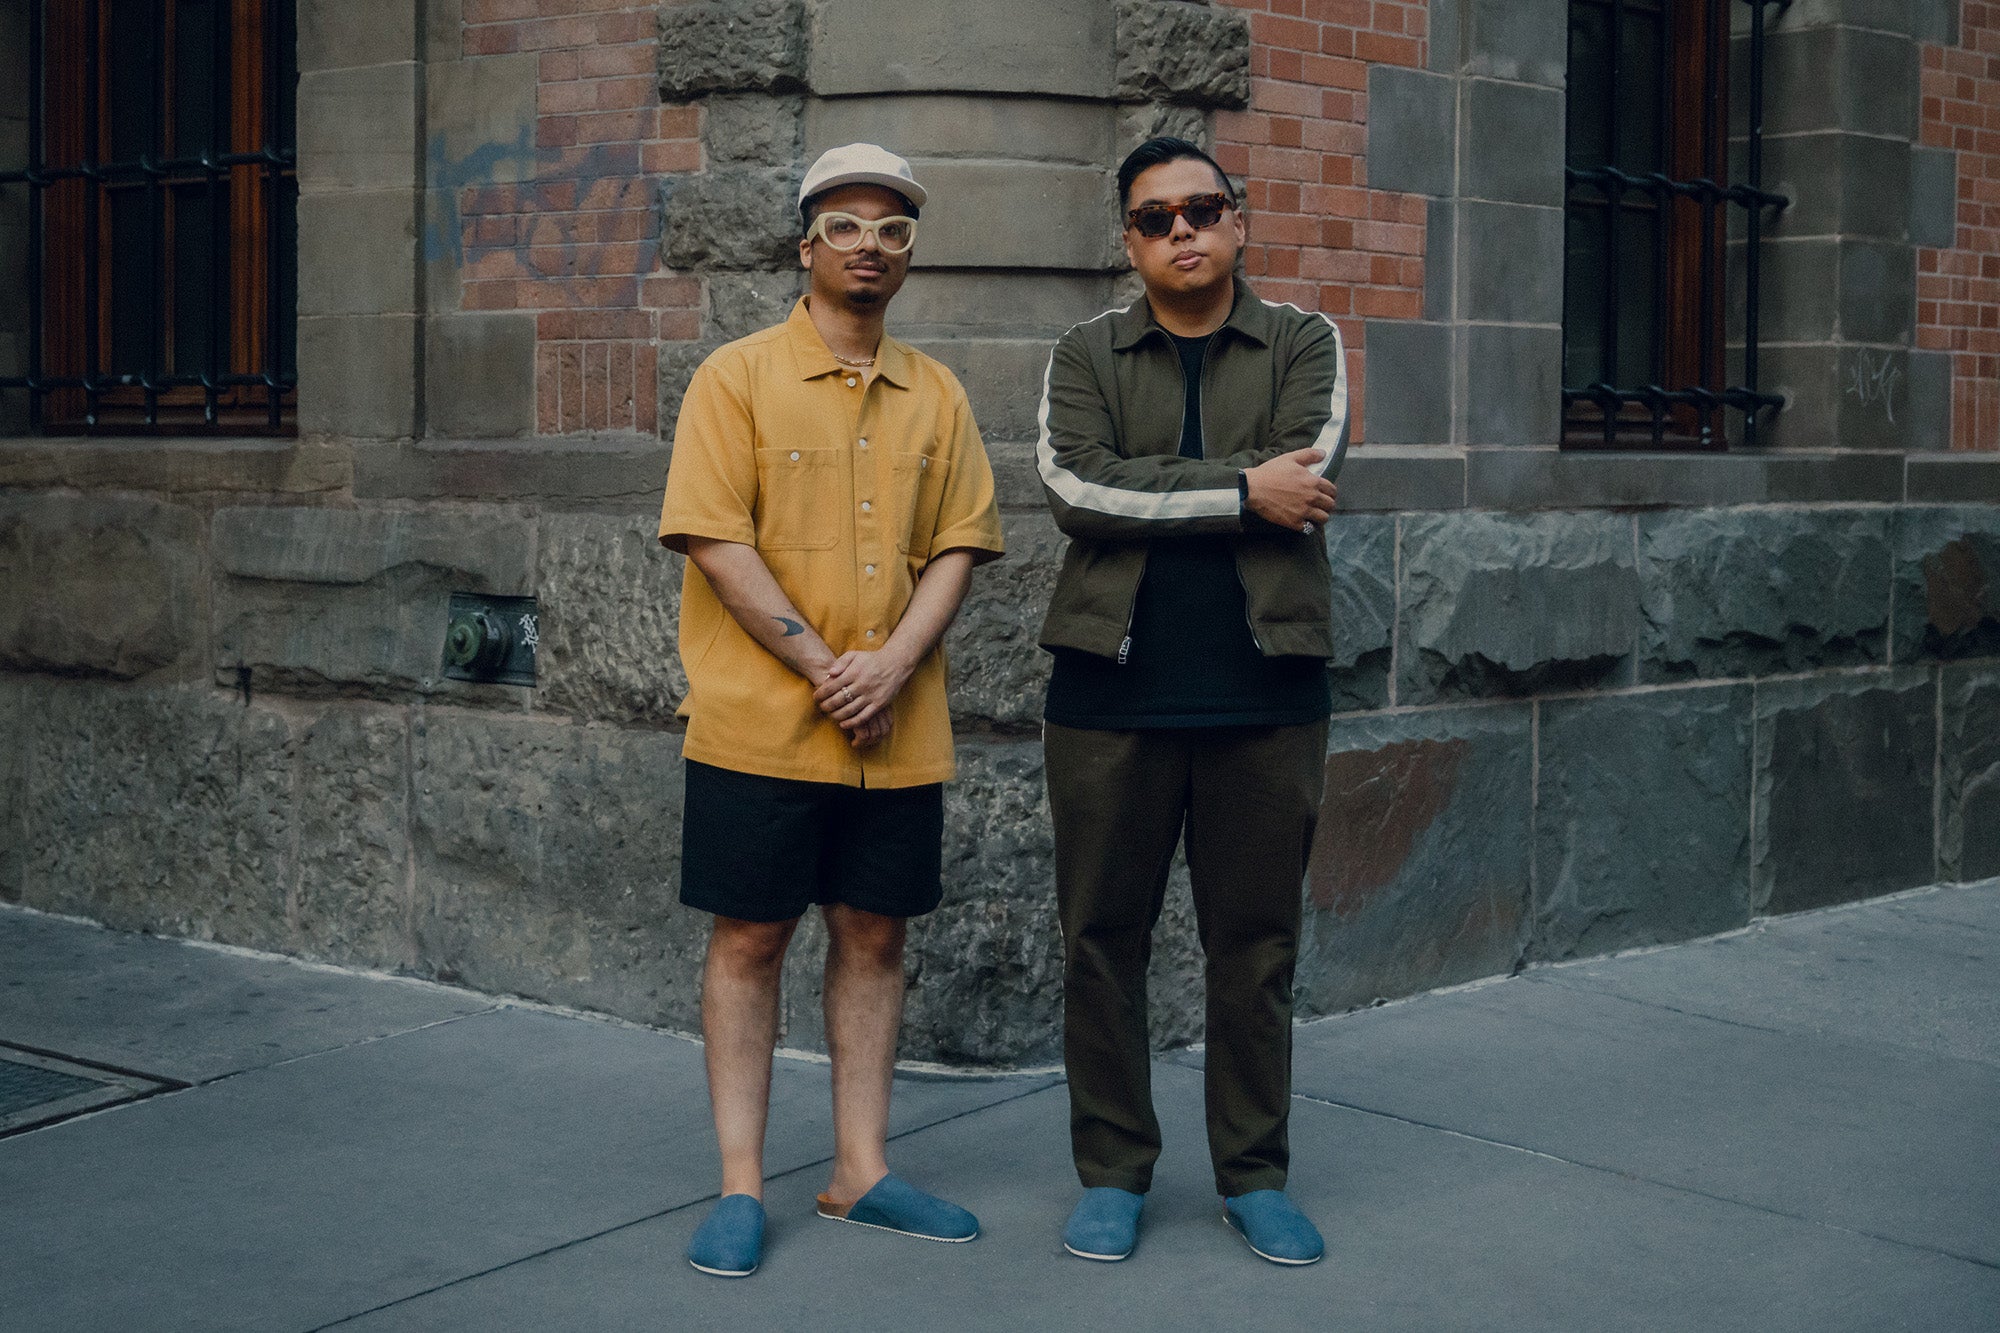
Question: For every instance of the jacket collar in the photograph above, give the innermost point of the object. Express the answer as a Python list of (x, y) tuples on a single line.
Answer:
[(1249, 317), (809, 350)]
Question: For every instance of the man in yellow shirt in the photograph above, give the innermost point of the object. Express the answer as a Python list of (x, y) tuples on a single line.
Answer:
[(831, 493)]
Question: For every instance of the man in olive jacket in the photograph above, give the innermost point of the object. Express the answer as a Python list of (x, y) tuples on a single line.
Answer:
[(1187, 449)]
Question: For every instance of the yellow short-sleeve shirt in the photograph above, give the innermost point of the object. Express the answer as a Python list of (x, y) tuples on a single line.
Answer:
[(847, 487)]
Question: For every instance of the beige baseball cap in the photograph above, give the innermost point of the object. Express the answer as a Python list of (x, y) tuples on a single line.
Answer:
[(861, 164)]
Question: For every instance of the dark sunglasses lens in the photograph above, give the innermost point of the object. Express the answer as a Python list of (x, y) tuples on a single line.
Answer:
[(1202, 213), (1153, 223)]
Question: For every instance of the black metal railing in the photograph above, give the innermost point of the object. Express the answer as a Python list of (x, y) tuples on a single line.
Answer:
[(217, 358), (1696, 342)]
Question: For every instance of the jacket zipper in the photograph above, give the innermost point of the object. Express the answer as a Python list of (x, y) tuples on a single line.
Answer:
[(1131, 614), (1201, 411), (1201, 408), (1255, 642)]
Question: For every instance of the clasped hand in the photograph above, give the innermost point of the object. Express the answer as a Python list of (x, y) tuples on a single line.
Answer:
[(857, 691), (1286, 491)]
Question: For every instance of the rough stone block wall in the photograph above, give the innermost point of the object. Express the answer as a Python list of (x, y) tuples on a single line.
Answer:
[(1320, 238), (1958, 286), (1584, 703), (1561, 733), (575, 239)]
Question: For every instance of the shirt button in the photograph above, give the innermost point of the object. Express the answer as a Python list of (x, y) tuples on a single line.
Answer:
[(795, 455), (864, 442), (865, 506), (871, 633), (850, 381), (870, 568), (923, 462)]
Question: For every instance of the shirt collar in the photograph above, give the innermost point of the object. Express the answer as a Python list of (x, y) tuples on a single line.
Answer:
[(1248, 317), (892, 358)]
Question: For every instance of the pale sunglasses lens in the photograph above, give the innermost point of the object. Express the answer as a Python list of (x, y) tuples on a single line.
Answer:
[(841, 232), (895, 234)]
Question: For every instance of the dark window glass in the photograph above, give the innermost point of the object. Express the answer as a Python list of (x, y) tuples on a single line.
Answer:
[(200, 257), (131, 282), (284, 40), (130, 91), (1639, 340), (1638, 89), (201, 78), (1584, 276)]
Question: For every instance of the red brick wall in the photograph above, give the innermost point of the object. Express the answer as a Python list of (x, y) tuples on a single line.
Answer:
[(1319, 237), (579, 245), (1958, 290)]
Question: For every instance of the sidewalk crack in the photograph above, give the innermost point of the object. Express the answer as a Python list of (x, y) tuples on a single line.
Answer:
[(1584, 988), (1904, 1049), (346, 1046), (1042, 1085), (1918, 1246)]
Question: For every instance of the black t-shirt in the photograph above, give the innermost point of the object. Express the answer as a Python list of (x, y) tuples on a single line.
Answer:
[(1191, 661)]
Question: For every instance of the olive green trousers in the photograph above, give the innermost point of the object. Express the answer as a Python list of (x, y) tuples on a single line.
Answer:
[(1246, 800)]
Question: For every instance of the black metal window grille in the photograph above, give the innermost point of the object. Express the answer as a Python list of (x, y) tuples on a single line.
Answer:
[(162, 217), (1647, 224)]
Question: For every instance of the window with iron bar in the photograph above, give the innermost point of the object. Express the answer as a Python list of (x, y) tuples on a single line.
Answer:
[(162, 218), (1645, 327)]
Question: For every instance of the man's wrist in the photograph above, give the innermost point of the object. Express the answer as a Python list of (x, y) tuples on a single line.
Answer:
[(899, 658), (817, 667)]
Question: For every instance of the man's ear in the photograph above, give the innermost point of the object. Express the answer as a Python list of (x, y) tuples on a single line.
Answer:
[(806, 253)]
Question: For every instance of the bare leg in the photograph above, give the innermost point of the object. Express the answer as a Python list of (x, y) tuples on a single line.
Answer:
[(864, 1013), (739, 1022)]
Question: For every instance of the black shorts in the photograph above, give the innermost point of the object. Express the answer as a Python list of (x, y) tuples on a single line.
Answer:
[(764, 849)]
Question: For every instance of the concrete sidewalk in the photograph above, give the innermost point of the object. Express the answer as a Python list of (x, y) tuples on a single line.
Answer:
[(1792, 1127)]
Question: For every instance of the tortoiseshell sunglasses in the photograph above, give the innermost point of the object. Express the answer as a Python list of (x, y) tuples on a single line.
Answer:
[(1155, 220)]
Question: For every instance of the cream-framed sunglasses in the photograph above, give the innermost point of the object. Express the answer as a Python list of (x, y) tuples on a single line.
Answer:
[(843, 231)]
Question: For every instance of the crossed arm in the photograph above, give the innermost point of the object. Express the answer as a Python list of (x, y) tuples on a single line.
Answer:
[(854, 688), (1098, 492)]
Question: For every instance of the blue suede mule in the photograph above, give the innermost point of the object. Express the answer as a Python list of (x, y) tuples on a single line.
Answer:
[(896, 1205), (1274, 1227), (730, 1240), (1104, 1224)]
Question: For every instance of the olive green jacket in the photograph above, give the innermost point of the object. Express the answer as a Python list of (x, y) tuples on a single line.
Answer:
[(1274, 380)]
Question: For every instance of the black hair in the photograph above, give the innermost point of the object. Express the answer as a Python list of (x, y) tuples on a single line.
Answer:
[(1154, 152), (809, 206)]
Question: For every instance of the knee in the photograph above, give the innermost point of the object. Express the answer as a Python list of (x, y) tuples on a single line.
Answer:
[(864, 939), (750, 946)]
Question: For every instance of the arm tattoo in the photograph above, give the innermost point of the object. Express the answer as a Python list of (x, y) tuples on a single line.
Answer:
[(791, 626)]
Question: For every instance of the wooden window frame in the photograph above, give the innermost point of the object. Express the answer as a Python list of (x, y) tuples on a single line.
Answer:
[(78, 303), (1690, 330)]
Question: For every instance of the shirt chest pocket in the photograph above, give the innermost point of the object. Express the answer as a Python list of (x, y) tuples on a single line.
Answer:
[(796, 503), (918, 480)]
